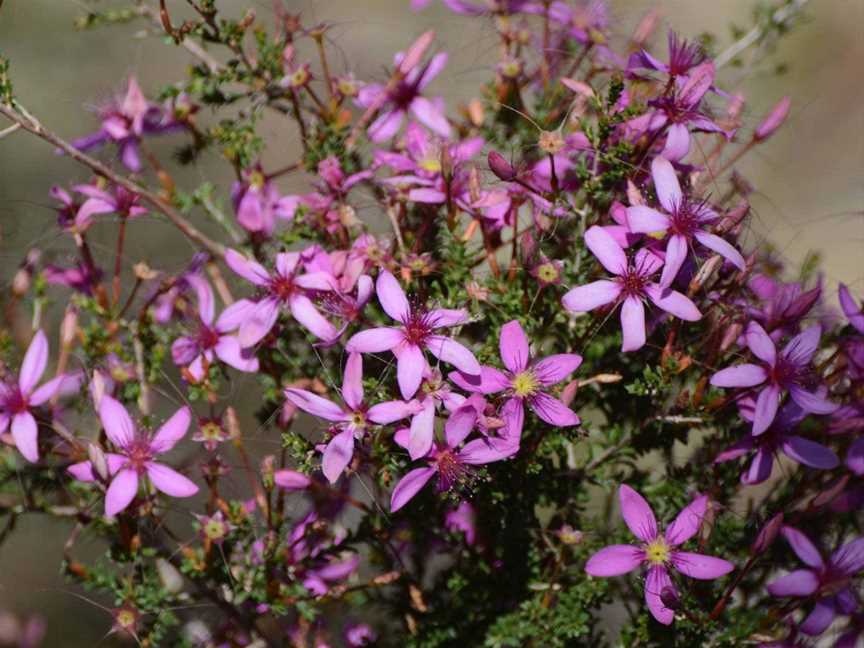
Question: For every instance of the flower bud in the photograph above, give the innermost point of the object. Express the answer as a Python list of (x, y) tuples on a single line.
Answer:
[(68, 326), (415, 53), (768, 533), (98, 461), (291, 480), (773, 121), (502, 169), (171, 579)]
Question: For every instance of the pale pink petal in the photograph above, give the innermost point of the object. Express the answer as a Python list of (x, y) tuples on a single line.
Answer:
[(637, 514), (169, 481), (513, 345), (722, 247), (260, 322), (632, 324), (459, 425), (115, 419), (234, 315), (291, 480), (337, 455), (606, 249), (410, 366), (673, 302), (677, 143), (229, 351), (246, 268), (47, 391), (443, 317), (676, 255), (553, 411), (390, 412), (35, 361), (744, 375), (25, 433), (304, 311), (352, 381), (490, 381), (385, 125), (450, 351), (614, 560), (375, 340), (666, 183), (171, 431), (121, 491), (286, 263), (582, 299), (431, 115), (760, 343), (422, 431), (392, 297), (315, 405), (483, 451), (645, 220), (409, 486)]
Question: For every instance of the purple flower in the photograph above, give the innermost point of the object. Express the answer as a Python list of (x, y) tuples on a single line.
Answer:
[(329, 202), (404, 97), (211, 339), (415, 333), (434, 391), (780, 306), (447, 460), (629, 287), (136, 456), (828, 582), (351, 420), (125, 122), (526, 381), (17, 401), (658, 550), (79, 277), (463, 519), (257, 202), (778, 437), (117, 200), (853, 312), (787, 370), (683, 221), (683, 56), (283, 287), (360, 634)]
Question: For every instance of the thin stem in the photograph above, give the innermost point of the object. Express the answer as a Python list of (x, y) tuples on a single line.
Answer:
[(118, 261)]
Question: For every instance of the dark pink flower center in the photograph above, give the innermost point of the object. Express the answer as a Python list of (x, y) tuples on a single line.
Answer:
[(15, 402), (451, 471), (418, 326), (282, 287), (632, 283), (208, 337), (139, 453)]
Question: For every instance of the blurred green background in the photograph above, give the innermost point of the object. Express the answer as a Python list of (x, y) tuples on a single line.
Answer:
[(809, 178)]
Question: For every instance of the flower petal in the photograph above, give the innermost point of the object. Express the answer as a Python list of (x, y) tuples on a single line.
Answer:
[(810, 453), (553, 411), (459, 425), (722, 247), (315, 404), (676, 254), (688, 522), (121, 491), (666, 183), (760, 468), (25, 432), (410, 365), (554, 368), (820, 617), (390, 412), (766, 409), (250, 270), (451, 351), (304, 311), (375, 340), (169, 481), (760, 343), (645, 220), (409, 486), (392, 297), (656, 583), (337, 455), (810, 402), (422, 431), (802, 582), (116, 421), (47, 391), (673, 302), (513, 345), (171, 431), (606, 249), (352, 381), (490, 381), (582, 299), (743, 375), (632, 324), (35, 361), (699, 566), (615, 560), (637, 514)]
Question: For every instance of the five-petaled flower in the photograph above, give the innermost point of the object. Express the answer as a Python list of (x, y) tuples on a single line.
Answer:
[(658, 551), (632, 283), (136, 456), (415, 333)]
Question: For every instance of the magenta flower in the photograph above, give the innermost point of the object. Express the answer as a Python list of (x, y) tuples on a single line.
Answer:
[(405, 97), (780, 307), (257, 202), (829, 582), (125, 122), (447, 460), (658, 550), (632, 283), (787, 370), (780, 436), (415, 333), (526, 381), (136, 456), (683, 56), (434, 391), (853, 312), (211, 340), (117, 200), (284, 286), (351, 420), (683, 222), (17, 401)]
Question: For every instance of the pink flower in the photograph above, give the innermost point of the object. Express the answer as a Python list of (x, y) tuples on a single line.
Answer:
[(683, 222), (352, 419), (284, 286), (632, 283), (447, 460), (415, 333), (526, 381), (257, 202), (787, 370), (17, 401), (136, 456), (658, 551), (211, 339), (115, 200)]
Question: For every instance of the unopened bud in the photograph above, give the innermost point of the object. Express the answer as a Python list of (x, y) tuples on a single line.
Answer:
[(171, 578), (768, 533), (774, 120), (291, 480), (502, 169), (670, 599), (579, 87), (247, 20), (98, 461), (476, 112), (415, 53), (730, 335), (268, 469), (645, 28), (68, 326)]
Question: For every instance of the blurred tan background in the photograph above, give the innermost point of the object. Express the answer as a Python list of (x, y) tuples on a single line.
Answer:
[(809, 178)]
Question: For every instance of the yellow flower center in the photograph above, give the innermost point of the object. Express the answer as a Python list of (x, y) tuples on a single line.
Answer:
[(525, 384), (211, 431), (657, 552), (257, 179), (214, 529), (358, 419), (431, 164), (547, 272)]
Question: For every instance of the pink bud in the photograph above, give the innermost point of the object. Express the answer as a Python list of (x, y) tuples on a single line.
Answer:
[(98, 461), (774, 120), (502, 169), (768, 533), (415, 53), (291, 480)]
